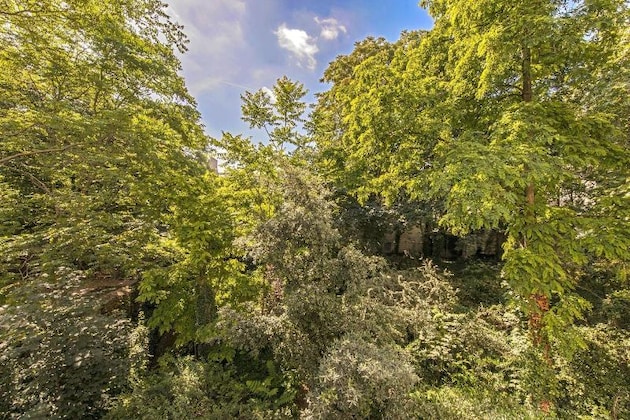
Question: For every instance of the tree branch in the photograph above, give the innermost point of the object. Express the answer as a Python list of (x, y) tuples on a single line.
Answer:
[(22, 12), (4, 160), (35, 180)]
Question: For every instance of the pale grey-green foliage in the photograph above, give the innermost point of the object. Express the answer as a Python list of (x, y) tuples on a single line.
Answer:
[(254, 333), (336, 320), (398, 305), (360, 379), (301, 239)]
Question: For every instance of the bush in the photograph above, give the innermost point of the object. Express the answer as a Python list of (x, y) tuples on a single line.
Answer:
[(59, 356), (185, 388), (358, 379)]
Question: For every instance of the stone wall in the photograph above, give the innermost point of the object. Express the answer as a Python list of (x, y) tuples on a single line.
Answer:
[(419, 241)]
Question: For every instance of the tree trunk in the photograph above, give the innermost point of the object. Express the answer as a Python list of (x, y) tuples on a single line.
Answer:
[(540, 301), (528, 96), (527, 93)]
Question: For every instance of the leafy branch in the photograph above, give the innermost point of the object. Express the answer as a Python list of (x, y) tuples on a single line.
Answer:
[(6, 159)]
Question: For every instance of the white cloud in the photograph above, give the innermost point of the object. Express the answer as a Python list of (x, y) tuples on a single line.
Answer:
[(299, 43), (269, 92), (330, 28)]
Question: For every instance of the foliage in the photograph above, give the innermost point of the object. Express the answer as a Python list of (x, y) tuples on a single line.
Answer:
[(597, 395), (478, 283), (360, 379), (334, 320), (484, 120), (103, 176), (264, 288), (187, 388), (456, 403), (279, 112), (60, 357), (198, 271), (366, 126)]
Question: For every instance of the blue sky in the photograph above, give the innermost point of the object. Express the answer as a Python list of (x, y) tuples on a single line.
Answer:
[(238, 45)]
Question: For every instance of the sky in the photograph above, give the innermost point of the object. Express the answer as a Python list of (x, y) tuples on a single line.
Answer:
[(239, 45)]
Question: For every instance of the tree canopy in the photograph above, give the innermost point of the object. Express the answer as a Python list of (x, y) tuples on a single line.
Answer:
[(491, 117)]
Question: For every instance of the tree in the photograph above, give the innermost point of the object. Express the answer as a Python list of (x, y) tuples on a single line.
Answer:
[(489, 125), (102, 166), (252, 167), (99, 127), (522, 153), (366, 126), (279, 112)]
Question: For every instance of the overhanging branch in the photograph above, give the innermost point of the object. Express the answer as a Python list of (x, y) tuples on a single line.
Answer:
[(4, 160)]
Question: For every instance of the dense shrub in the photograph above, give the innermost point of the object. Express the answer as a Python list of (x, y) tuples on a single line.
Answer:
[(59, 356), (185, 388)]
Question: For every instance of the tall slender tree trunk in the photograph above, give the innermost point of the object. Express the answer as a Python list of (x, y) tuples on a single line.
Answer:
[(540, 301), (528, 96), (206, 312)]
